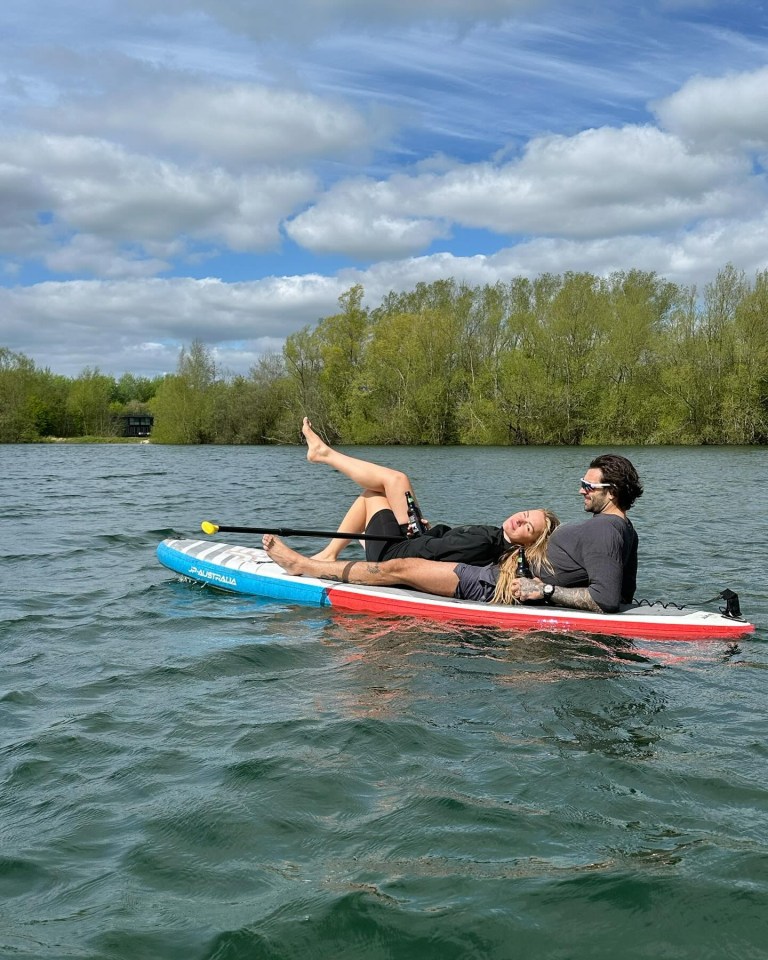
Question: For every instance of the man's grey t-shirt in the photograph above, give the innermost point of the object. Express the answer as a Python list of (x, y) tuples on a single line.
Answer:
[(599, 553)]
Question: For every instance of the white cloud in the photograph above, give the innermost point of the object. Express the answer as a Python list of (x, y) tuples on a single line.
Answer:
[(241, 124), (22, 198), (356, 220), (728, 112), (114, 324), (86, 254), (690, 257), (596, 183), (92, 186)]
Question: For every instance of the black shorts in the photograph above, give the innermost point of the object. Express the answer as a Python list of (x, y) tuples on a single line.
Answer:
[(383, 524)]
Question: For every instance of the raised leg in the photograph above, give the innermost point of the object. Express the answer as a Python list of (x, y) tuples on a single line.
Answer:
[(354, 522), (372, 477)]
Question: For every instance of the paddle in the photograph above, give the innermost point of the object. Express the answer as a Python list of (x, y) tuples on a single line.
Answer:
[(211, 528)]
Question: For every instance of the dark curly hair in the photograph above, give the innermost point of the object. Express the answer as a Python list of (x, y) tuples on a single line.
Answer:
[(622, 476)]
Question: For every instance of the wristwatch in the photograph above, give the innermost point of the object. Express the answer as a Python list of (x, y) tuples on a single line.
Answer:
[(546, 592)]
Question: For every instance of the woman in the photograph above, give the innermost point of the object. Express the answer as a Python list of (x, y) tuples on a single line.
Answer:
[(381, 510), (492, 583)]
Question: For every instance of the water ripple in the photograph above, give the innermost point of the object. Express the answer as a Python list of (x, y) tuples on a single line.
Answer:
[(188, 774)]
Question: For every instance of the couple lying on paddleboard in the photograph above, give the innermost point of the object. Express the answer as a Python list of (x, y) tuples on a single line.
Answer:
[(589, 566)]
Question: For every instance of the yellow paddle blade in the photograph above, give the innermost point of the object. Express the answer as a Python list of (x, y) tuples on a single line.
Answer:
[(208, 527)]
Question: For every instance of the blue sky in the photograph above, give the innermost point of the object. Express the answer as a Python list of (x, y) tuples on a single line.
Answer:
[(225, 169)]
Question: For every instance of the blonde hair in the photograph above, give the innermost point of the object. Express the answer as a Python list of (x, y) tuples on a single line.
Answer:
[(536, 555)]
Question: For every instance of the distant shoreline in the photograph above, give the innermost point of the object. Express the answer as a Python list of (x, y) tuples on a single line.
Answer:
[(92, 440)]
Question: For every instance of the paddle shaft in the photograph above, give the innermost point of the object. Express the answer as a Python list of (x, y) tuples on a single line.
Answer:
[(291, 532)]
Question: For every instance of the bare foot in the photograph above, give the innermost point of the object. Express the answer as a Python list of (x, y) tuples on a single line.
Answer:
[(282, 555), (316, 448)]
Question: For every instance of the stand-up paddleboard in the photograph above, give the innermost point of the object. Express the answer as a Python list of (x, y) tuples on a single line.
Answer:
[(248, 570)]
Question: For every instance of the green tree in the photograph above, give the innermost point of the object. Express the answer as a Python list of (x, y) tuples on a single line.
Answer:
[(722, 298), (341, 342), (253, 409), (745, 405), (302, 356), (137, 389), (185, 403), (630, 405), (89, 402), (17, 408), (508, 395), (571, 332), (49, 401), (408, 381), (702, 350)]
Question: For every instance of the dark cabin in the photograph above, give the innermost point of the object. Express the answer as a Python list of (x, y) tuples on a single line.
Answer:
[(137, 425)]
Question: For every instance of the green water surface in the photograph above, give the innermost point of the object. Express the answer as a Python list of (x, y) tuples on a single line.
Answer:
[(187, 774)]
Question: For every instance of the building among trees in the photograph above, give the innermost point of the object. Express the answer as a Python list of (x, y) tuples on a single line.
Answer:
[(137, 425)]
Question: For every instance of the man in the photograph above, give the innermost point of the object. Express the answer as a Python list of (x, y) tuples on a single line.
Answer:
[(594, 563)]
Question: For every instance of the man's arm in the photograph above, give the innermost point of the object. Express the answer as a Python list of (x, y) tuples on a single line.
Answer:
[(578, 598)]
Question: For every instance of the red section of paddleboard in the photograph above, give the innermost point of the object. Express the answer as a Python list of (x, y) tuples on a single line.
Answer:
[(487, 617)]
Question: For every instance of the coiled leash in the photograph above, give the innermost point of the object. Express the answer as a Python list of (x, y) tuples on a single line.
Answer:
[(731, 610)]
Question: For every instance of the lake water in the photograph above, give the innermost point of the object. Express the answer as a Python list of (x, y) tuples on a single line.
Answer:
[(187, 774)]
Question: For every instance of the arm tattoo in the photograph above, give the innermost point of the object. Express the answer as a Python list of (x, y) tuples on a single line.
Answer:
[(579, 598)]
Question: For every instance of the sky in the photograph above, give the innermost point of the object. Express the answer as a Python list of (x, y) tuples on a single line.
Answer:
[(224, 170)]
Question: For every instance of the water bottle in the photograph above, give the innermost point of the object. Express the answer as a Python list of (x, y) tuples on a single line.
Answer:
[(416, 523), (522, 569)]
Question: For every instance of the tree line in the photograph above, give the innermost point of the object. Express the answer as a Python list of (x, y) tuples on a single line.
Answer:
[(36, 403), (559, 359)]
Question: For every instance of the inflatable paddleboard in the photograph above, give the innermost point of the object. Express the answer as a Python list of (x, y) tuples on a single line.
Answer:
[(247, 570)]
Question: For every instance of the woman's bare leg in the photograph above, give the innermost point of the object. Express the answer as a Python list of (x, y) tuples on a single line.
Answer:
[(367, 505), (354, 522), (370, 476), (429, 575)]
